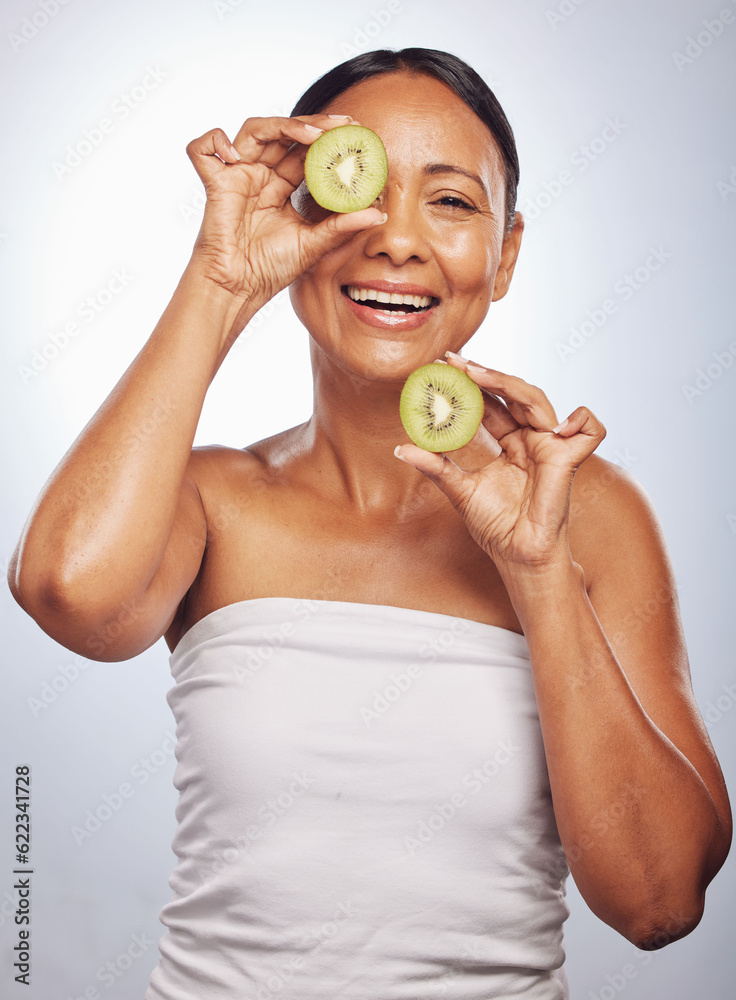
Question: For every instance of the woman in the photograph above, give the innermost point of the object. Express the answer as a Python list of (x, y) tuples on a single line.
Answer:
[(409, 694)]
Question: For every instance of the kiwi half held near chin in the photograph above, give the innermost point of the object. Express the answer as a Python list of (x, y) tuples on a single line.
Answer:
[(346, 168), (441, 407)]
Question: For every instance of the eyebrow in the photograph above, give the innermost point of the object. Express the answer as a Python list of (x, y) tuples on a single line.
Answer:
[(450, 168)]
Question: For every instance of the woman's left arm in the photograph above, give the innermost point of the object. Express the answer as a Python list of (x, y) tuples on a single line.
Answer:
[(639, 797)]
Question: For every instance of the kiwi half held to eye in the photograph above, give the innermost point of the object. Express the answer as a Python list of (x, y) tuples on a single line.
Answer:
[(346, 168), (441, 407)]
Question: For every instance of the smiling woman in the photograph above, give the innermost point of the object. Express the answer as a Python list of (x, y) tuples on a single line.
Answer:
[(411, 696), (443, 239)]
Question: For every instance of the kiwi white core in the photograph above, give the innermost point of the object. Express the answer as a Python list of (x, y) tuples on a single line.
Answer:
[(441, 407), (346, 170)]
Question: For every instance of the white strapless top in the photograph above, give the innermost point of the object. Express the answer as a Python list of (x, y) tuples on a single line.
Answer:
[(364, 811)]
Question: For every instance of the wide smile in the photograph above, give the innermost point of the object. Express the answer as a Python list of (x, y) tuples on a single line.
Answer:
[(384, 309)]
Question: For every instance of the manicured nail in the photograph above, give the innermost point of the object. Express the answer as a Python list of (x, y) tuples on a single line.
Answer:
[(561, 427), (401, 457), (235, 153), (312, 128), (455, 357), (380, 222), (439, 361), (341, 116), (475, 368)]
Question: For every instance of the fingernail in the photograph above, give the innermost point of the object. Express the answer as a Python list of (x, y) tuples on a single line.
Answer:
[(455, 357), (235, 153), (340, 116), (561, 427), (476, 368), (380, 222), (400, 457), (312, 128), (439, 361)]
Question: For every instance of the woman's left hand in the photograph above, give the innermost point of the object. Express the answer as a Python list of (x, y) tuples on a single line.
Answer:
[(516, 502)]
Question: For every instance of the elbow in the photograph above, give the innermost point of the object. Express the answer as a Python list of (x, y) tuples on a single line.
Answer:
[(672, 906), (72, 616), (38, 594), (653, 927), (657, 932), (653, 909), (39, 591)]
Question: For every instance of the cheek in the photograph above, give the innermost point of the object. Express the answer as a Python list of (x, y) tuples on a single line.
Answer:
[(310, 297), (472, 259), (301, 294), (294, 296)]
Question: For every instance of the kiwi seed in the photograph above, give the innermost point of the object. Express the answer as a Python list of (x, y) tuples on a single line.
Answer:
[(441, 407), (346, 168)]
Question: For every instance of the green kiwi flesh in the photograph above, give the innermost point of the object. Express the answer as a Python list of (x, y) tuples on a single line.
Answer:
[(346, 168), (441, 407)]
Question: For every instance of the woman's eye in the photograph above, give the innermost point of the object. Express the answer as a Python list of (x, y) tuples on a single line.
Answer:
[(454, 202)]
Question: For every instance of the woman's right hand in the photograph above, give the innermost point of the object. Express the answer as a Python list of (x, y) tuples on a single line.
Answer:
[(252, 241)]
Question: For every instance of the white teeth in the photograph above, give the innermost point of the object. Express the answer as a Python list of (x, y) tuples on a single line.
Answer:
[(393, 298)]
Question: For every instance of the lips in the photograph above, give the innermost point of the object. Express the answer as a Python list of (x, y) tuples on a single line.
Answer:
[(373, 295), (388, 299), (387, 305)]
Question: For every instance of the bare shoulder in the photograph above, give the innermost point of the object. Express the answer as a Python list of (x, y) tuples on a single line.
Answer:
[(225, 497), (616, 536), (613, 523), (229, 479), (215, 463)]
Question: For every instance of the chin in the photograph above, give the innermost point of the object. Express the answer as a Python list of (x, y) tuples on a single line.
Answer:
[(388, 363)]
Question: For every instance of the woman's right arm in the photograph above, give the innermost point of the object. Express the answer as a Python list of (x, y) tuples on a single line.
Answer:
[(117, 535)]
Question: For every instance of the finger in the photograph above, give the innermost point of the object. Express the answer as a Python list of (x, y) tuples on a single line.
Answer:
[(450, 478), (268, 140), (208, 152), (291, 167), (497, 418), (336, 230), (526, 402), (485, 437), (584, 432), (275, 193), (326, 121)]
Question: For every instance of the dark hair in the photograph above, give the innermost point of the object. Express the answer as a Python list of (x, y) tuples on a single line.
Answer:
[(451, 70)]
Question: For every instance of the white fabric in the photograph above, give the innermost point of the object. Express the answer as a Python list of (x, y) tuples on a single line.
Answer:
[(364, 811)]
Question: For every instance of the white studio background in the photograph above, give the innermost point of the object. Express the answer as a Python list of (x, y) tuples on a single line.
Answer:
[(623, 300)]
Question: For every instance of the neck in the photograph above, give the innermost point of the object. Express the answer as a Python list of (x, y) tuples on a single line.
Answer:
[(352, 434)]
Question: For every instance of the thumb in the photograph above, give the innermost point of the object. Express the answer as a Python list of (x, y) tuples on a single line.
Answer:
[(336, 230), (457, 486)]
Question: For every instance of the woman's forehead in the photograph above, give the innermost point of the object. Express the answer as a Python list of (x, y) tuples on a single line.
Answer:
[(420, 114)]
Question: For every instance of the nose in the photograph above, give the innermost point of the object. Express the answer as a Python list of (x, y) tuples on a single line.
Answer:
[(402, 236)]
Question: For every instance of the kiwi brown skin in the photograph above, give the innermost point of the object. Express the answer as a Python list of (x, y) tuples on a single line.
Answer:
[(332, 155), (441, 407)]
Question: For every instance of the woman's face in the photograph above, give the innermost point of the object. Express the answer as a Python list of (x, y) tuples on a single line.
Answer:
[(443, 240)]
